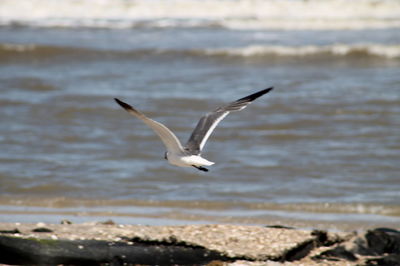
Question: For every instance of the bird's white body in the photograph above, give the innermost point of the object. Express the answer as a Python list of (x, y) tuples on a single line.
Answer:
[(182, 160)]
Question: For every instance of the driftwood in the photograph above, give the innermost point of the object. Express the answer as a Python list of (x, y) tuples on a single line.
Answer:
[(14, 250), (41, 245)]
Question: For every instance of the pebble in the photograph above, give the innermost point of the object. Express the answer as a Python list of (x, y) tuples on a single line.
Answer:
[(65, 221)]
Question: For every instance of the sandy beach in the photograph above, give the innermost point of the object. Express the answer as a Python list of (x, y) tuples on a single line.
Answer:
[(218, 244)]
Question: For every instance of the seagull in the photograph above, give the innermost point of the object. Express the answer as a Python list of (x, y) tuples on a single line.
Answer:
[(190, 154)]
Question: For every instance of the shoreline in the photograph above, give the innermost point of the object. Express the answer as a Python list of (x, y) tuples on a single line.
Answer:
[(322, 216), (225, 244), (156, 217)]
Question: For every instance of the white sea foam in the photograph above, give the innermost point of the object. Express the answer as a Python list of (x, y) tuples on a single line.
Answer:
[(385, 51), (17, 47), (243, 14)]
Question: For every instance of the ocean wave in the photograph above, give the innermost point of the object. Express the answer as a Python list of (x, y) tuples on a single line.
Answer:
[(275, 51), (5, 47), (342, 50), (25, 51), (240, 14)]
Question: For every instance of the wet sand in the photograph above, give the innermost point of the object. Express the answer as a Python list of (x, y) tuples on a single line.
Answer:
[(229, 244)]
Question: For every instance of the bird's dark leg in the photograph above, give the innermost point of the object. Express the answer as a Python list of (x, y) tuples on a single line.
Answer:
[(201, 168)]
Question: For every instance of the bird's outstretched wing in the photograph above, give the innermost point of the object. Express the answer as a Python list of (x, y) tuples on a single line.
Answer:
[(207, 123), (168, 138)]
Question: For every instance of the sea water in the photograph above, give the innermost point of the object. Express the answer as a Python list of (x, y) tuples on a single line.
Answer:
[(323, 146)]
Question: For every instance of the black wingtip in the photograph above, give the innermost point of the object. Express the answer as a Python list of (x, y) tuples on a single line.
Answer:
[(260, 93), (254, 96), (269, 89), (123, 105)]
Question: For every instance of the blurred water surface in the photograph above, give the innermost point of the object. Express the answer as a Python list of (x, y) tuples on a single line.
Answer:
[(324, 145)]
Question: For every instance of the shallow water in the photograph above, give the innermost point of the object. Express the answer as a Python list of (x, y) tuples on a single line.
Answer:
[(322, 146)]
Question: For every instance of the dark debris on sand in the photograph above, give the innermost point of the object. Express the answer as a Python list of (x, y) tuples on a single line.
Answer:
[(112, 244)]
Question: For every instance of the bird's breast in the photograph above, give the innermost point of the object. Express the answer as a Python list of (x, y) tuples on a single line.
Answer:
[(188, 160)]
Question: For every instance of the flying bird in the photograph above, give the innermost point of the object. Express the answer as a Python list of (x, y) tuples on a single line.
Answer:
[(190, 154)]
